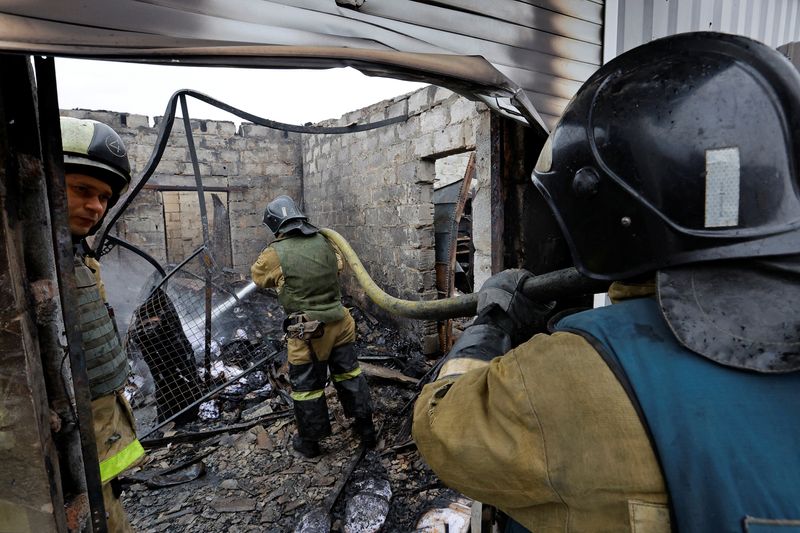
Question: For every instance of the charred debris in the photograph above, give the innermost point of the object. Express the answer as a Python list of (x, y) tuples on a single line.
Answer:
[(218, 430), (210, 393)]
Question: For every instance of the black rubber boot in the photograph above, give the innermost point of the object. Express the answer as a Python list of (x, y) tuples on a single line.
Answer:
[(306, 447), (366, 431)]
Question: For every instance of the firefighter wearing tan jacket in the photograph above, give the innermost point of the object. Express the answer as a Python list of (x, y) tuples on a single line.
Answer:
[(675, 409), (546, 433), (303, 266), (97, 171)]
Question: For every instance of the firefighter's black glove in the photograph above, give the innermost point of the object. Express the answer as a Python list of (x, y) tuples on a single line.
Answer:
[(502, 303), (506, 318)]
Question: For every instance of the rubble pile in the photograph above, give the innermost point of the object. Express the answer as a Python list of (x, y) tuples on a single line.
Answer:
[(237, 471)]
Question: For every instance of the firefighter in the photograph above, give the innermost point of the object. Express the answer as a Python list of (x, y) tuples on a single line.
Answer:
[(303, 266), (97, 172), (674, 173)]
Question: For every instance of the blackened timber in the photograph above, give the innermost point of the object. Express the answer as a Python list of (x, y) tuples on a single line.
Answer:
[(42, 277), (30, 484), (497, 196), (57, 195), (200, 435)]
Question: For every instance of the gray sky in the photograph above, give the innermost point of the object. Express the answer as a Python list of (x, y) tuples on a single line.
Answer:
[(293, 96)]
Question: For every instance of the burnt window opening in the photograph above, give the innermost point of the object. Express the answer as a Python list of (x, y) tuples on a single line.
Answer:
[(182, 239), (452, 199)]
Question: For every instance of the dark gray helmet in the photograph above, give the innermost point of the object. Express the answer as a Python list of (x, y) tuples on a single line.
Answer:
[(681, 156), (282, 216), (682, 150), (94, 149)]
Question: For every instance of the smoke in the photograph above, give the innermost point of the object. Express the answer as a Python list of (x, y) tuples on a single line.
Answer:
[(128, 279)]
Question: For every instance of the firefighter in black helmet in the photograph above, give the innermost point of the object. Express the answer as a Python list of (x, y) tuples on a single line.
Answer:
[(674, 173), (97, 172), (303, 266)]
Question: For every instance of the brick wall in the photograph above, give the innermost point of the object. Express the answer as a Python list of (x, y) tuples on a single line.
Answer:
[(250, 165), (376, 187)]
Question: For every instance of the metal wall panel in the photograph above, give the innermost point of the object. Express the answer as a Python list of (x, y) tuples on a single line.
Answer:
[(545, 47), (774, 22)]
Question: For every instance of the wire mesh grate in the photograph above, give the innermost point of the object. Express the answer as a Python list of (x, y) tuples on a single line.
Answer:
[(179, 367)]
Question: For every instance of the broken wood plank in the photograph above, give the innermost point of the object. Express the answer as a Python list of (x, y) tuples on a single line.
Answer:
[(387, 373), (233, 505)]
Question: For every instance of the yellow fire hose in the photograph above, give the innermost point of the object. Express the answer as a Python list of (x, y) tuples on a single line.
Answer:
[(546, 287)]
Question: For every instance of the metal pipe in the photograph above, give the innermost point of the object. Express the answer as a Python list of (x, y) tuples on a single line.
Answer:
[(553, 285), (207, 260), (234, 299), (114, 241)]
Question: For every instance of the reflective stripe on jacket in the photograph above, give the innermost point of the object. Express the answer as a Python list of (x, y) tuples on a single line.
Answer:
[(107, 367), (115, 435)]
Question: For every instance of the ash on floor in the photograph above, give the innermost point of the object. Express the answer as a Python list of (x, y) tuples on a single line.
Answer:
[(248, 477)]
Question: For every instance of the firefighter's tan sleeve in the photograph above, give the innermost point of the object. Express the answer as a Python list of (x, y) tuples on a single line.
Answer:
[(547, 434), (94, 266), (115, 434), (266, 272)]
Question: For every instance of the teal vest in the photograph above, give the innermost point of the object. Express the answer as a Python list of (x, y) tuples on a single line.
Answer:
[(311, 277), (728, 440), (106, 362)]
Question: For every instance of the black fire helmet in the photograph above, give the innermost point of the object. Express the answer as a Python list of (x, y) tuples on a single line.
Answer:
[(95, 149), (283, 216), (682, 150)]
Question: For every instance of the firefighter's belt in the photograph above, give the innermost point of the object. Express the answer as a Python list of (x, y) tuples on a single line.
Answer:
[(298, 326)]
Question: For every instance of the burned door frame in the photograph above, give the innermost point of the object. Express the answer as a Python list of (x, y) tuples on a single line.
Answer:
[(38, 271), (227, 252), (445, 270), (525, 233)]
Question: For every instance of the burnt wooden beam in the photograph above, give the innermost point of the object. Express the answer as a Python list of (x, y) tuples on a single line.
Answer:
[(30, 487), (390, 374), (63, 248), (525, 233)]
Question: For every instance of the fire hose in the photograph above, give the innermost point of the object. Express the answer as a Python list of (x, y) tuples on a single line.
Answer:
[(546, 287)]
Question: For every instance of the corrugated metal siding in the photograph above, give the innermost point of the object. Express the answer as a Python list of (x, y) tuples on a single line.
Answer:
[(573, 30), (792, 51), (546, 47), (774, 22)]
